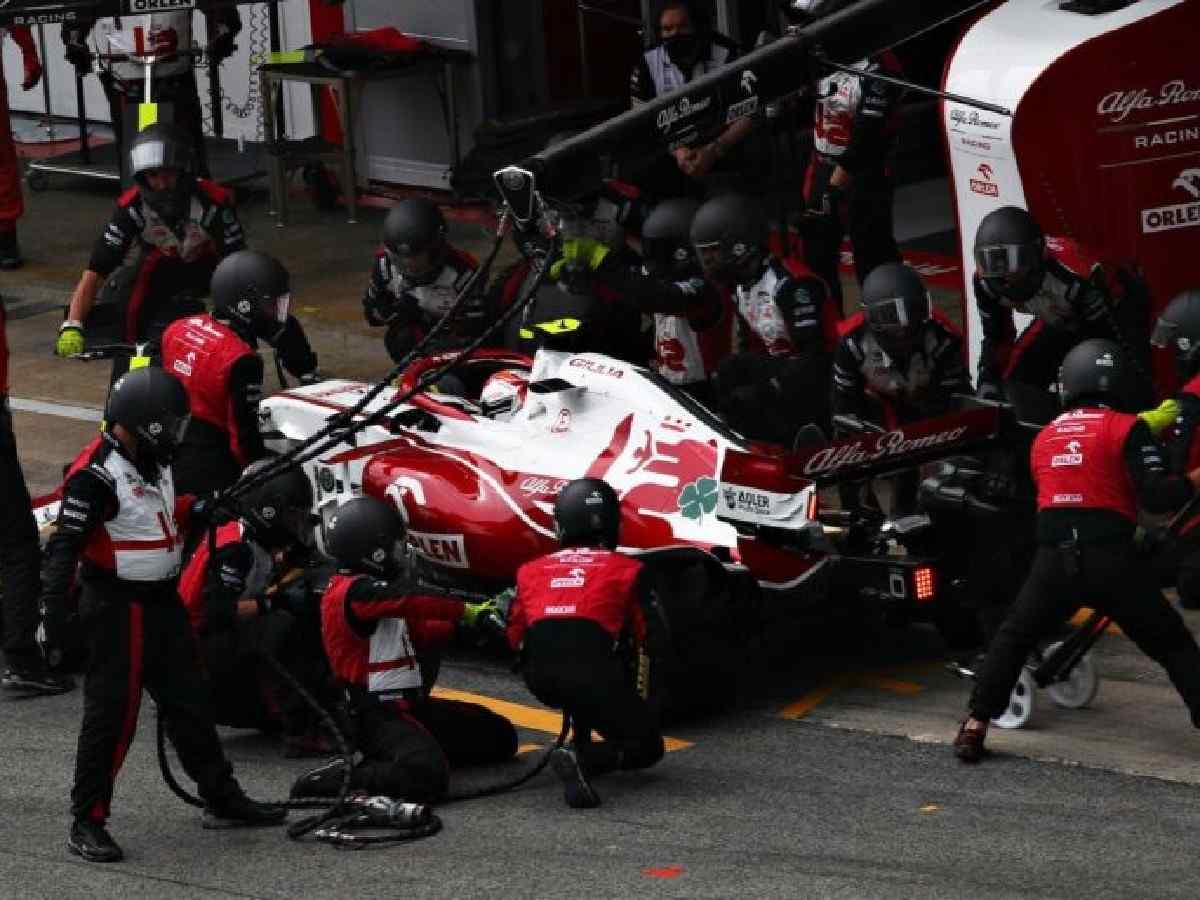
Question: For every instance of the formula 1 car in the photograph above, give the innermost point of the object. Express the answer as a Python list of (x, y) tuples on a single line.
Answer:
[(733, 530)]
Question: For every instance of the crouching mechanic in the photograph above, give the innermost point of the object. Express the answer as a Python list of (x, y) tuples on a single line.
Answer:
[(120, 527), (216, 358), (238, 621), (382, 637), (1093, 466), (416, 278), (566, 620)]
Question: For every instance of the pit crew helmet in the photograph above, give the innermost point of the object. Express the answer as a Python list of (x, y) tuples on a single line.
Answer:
[(278, 510), (366, 535), (152, 405), (1178, 329), (414, 236), (666, 240), (1098, 372), (895, 306), (729, 233), (1010, 254), (251, 291), (504, 393), (158, 147), (587, 512)]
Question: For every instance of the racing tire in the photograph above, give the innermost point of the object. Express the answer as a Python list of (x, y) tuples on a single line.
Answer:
[(1080, 687), (37, 180), (1021, 703)]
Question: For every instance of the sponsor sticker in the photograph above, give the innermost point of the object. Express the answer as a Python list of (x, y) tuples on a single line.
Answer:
[(1067, 498), (1117, 106), (445, 549), (1176, 215), (983, 183)]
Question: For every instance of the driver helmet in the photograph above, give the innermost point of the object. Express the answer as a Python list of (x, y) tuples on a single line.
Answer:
[(1010, 252), (729, 233), (587, 512), (666, 240), (367, 535), (504, 393), (1098, 372), (1178, 329), (163, 149), (896, 307), (278, 510), (251, 292), (414, 237), (152, 405)]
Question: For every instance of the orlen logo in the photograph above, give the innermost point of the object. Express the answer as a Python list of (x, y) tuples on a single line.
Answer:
[(1073, 456), (1176, 215), (598, 367), (984, 184)]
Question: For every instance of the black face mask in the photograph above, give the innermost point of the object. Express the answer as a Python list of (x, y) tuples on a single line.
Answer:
[(684, 51)]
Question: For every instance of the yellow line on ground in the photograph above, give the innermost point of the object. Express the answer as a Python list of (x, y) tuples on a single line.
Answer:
[(810, 701), (545, 720), (892, 685), (1082, 616)]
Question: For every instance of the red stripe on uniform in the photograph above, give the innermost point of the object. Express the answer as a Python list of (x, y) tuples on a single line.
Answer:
[(133, 702), (407, 662)]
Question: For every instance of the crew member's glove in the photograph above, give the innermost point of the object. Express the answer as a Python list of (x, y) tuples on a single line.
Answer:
[(1162, 416), (483, 616), (70, 339), (579, 254), (221, 47), (1092, 305)]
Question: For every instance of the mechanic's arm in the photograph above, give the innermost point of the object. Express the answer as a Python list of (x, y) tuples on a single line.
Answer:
[(23, 38), (999, 338), (230, 236), (245, 393), (639, 601), (1158, 489), (373, 599), (867, 131), (650, 294), (108, 253), (379, 303), (803, 302), (849, 385), (89, 499), (1187, 427), (950, 373), (710, 154), (225, 586), (641, 85)]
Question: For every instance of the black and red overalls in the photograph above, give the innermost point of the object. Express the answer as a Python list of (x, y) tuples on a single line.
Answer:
[(119, 526), (1079, 298), (566, 620), (247, 691), (223, 377), (383, 643), (410, 310), (20, 555), (853, 128), (1093, 468)]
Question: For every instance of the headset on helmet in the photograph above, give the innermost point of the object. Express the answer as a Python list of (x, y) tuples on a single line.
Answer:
[(730, 235), (1010, 252), (586, 512), (252, 292), (504, 393), (278, 510), (1098, 372), (1178, 329), (414, 236), (152, 405), (366, 535), (666, 239), (158, 148), (896, 306)]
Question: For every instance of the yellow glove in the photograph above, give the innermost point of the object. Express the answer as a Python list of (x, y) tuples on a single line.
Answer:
[(1161, 416), (579, 253), (70, 339)]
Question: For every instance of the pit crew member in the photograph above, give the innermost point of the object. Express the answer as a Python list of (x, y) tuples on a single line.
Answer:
[(12, 200)]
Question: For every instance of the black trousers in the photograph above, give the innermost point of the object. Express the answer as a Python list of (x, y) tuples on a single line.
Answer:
[(135, 642), (20, 554), (1111, 579), (409, 748), (570, 665), (864, 213)]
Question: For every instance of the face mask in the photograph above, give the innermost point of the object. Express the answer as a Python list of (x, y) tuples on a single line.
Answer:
[(683, 50)]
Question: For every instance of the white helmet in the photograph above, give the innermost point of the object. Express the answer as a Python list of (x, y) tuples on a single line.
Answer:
[(504, 393)]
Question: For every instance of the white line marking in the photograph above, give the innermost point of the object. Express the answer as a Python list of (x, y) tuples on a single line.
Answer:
[(62, 410)]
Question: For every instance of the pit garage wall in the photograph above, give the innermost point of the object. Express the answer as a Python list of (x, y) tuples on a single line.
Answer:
[(1105, 133)]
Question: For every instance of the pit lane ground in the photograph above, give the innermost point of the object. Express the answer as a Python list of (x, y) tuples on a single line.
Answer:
[(832, 778)]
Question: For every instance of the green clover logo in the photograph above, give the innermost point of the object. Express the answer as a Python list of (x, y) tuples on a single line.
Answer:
[(698, 497)]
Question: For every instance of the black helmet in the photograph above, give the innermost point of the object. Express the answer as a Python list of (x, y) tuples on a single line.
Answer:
[(1010, 252), (896, 306), (414, 235), (252, 291), (1178, 328), (666, 239), (151, 404), (278, 510), (587, 511), (164, 147), (730, 235), (1098, 372), (365, 535)]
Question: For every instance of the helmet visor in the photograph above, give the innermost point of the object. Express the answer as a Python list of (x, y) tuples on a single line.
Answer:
[(891, 313), (1164, 335), (1005, 260)]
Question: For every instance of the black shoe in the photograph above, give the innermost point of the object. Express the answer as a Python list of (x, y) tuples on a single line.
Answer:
[(10, 251), (92, 841), (323, 781), (239, 811), (39, 682), (577, 790)]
